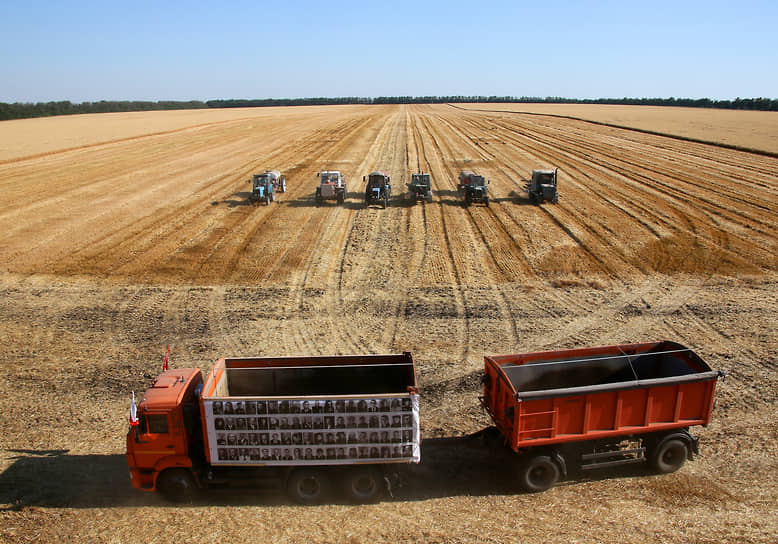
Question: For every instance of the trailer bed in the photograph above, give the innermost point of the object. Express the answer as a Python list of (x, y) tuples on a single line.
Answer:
[(591, 393), (329, 410)]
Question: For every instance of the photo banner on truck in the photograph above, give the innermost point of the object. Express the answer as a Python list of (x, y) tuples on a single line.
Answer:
[(314, 430)]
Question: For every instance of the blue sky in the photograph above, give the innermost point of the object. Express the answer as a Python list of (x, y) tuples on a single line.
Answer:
[(87, 51)]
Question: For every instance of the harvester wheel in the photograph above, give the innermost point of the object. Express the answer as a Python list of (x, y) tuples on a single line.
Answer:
[(176, 485), (340, 198), (364, 485), (307, 486), (538, 474), (669, 455)]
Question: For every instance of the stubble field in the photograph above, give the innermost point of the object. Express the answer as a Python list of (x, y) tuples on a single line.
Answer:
[(121, 237)]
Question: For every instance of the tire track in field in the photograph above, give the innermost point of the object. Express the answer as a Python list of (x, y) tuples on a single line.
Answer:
[(105, 189), (675, 229), (246, 250), (416, 232), (147, 242), (515, 229), (632, 174), (504, 250), (376, 254), (564, 226), (600, 243), (314, 288)]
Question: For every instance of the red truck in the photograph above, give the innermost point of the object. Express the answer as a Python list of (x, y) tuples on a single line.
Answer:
[(587, 408), (306, 422)]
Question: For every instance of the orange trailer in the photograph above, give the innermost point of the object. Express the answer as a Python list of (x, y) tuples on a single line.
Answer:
[(596, 407)]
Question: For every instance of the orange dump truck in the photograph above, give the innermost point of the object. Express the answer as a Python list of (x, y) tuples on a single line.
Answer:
[(579, 409), (308, 423)]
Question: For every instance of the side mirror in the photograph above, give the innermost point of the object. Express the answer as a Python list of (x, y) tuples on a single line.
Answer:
[(363, 178)]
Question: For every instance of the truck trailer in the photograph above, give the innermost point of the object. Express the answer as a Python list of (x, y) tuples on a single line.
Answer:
[(571, 410), (308, 423)]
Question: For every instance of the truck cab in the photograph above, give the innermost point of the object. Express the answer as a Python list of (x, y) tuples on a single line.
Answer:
[(167, 434)]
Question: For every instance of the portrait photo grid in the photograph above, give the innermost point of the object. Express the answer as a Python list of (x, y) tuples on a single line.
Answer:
[(313, 431)]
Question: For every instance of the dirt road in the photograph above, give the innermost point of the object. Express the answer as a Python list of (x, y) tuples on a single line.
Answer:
[(113, 249)]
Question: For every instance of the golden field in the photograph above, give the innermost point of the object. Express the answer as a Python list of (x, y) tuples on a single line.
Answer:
[(123, 233), (756, 130)]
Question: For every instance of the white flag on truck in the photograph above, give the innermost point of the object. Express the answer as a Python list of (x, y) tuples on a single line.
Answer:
[(133, 411)]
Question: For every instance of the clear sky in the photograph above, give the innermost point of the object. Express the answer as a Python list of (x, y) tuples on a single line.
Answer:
[(173, 50)]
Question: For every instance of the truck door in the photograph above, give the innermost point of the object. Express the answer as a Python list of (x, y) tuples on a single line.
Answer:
[(154, 439)]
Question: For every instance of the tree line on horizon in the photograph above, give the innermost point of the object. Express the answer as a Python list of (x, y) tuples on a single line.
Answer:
[(24, 110)]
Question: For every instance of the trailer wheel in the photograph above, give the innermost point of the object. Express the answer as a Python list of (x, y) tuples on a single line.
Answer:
[(364, 485), (176, 485), (538, 474), (669, 455), (307, 486)]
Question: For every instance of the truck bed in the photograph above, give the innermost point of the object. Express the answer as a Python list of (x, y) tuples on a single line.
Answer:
[(312, 410), (557, 396)]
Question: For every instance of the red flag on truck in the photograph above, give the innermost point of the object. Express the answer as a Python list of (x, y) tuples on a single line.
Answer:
[(133, 411), (167, 352)]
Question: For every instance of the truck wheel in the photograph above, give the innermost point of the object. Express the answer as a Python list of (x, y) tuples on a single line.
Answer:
[(307, 486), (364, 485), (538, 474), (669, 455), (176, 485)]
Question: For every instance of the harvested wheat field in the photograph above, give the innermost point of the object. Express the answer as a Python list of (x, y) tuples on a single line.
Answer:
[(115, 246)]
